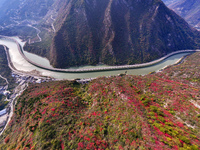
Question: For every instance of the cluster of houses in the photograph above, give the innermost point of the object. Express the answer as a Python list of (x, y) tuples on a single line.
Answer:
[(22, 80), (3, 90), (28, 79)]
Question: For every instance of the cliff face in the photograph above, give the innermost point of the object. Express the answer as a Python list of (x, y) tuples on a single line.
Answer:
[(117, 32)]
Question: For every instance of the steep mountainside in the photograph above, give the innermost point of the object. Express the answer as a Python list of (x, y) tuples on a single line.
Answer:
[(158, 111), (117, 32), (188, 9), (113, 32)]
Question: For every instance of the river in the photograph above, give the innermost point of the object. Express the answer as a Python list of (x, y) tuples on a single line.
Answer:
[(22, 65)]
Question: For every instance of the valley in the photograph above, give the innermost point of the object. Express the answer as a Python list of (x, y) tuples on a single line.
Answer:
[(90, 74), (23, 78), (21, 62), (52, 35), (156, 111)]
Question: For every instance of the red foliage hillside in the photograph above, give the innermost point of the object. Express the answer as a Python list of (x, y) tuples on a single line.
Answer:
[(157, 111)]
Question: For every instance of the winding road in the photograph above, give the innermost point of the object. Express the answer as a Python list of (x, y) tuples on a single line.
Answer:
[(52, 25), (17, 91), (4, 79), (38, 33)]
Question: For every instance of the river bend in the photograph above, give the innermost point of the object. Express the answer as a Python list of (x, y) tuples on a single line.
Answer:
[(23, 61)]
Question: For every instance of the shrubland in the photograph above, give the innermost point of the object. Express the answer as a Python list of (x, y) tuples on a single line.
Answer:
[(155, 111)]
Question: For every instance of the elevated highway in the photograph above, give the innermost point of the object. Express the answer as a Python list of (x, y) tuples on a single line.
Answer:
[(123, 67)]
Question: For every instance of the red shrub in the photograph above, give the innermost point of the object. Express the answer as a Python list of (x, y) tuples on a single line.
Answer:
[(6, 140)]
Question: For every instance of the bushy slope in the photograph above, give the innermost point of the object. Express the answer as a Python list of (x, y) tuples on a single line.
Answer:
[(158, 111), (117, 32)]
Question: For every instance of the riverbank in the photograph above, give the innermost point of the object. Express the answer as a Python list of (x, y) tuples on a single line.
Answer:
[(20, 81), (21, 64), (124, 67)]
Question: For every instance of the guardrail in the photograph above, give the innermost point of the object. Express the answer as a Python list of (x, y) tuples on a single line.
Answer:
[(124, 67)]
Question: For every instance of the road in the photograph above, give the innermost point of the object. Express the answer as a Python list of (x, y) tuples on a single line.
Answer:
[(52, 25), (105, 68), (38, 32), (4, 79), (23, 78), (17, 91)]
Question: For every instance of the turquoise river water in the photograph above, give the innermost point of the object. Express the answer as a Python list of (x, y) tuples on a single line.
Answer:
[(22, 65)]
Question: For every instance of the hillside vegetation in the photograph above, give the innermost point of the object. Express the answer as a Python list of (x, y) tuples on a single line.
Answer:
[(117, 32), (157, 111)]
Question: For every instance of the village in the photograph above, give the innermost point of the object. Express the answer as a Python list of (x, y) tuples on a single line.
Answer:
[(23, 80)]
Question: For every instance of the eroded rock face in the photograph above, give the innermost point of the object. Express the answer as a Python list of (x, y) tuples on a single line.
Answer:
[(117, 32)]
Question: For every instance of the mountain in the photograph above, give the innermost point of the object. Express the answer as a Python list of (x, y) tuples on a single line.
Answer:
[(117, 32), (188, 9), (81, 32), (157, 111), (29, 19), (32, 20)]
